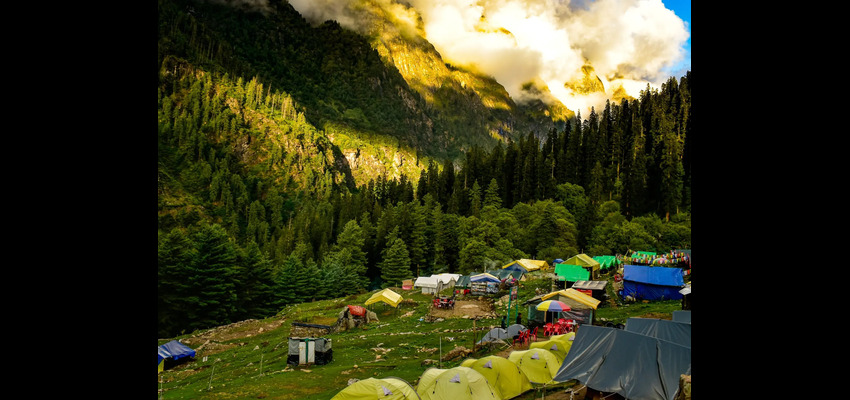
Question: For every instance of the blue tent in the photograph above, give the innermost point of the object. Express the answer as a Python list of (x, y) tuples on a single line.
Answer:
[(515, 267), (652, 283), (174, 350), (484, 277)]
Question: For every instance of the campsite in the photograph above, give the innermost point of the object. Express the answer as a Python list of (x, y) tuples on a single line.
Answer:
[(409, 342)]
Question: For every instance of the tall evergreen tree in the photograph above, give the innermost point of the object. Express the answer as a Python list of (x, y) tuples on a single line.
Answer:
[(395, 266), (213, 277)]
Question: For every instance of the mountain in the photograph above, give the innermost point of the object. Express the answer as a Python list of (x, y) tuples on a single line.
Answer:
[(382, 96)]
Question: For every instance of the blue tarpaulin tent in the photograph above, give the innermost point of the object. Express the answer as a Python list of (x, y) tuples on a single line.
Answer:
[(652, 283), (174, 350)]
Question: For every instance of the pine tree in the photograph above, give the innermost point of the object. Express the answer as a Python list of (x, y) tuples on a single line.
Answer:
[(395, 266), (348, 251), (255, 295), (213, 277), (475, 199), (173, 276), (491, 195)]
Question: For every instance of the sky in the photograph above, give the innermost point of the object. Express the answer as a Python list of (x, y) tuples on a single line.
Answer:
[(629, 43), (682, 8)]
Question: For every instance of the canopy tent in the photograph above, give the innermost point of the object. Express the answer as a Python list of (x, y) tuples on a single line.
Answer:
[(458, 383), (507, 378), (539, 365), (585, 261), (559, 347), (671, 331), (652, 283), (582, 306), (173, 351), (448, 280), (571, 272), (389, 388), (386, 296), (527, 264), (573, 298), (463, 281), (632, 365), (607, 262)]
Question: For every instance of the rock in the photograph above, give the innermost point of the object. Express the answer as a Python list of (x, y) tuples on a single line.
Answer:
[(353, 380)]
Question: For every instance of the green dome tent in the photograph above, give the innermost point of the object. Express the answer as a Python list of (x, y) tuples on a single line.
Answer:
[(390, 388), (539, 365), (458, 383), (503, 374)]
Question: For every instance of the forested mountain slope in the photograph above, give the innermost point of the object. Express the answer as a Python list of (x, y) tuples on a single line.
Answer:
[(290, 154)]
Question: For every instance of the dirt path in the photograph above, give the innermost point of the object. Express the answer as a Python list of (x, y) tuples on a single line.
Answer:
[(472, 309)]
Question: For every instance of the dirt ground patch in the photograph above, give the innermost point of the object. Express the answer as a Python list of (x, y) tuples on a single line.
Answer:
[(473, 309), (211, 341)]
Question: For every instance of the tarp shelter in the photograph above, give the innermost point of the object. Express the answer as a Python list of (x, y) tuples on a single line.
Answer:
[(428, 284), (682, 316), (309, 351), (587, 262), (458, 383), (632, 365), (507, 378), (463, 281), (571, 273), (539, 365), (386, 296), (559, 347), (652, 283), (671, 331), (172, 351), (607, 263), (527, 264), (390, 388)]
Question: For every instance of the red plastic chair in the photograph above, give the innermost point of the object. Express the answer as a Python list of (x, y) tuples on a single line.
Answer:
[(549, 329), (521, 338), (534, 333)]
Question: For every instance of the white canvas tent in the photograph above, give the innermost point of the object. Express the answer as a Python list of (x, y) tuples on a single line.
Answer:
[(428, 284)]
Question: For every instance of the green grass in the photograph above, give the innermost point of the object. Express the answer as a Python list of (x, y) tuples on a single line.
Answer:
[(254, 367)]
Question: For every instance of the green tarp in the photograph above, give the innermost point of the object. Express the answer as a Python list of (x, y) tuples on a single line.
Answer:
[(606, 262), (571, 273)]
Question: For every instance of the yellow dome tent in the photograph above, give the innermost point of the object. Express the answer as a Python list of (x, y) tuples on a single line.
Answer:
[(539, 365), (387, 296), (390, 388), (558, 347), (458, 383), (503, 374)]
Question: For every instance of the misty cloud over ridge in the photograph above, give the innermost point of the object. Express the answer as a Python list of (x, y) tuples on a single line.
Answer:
[(629, 43)]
